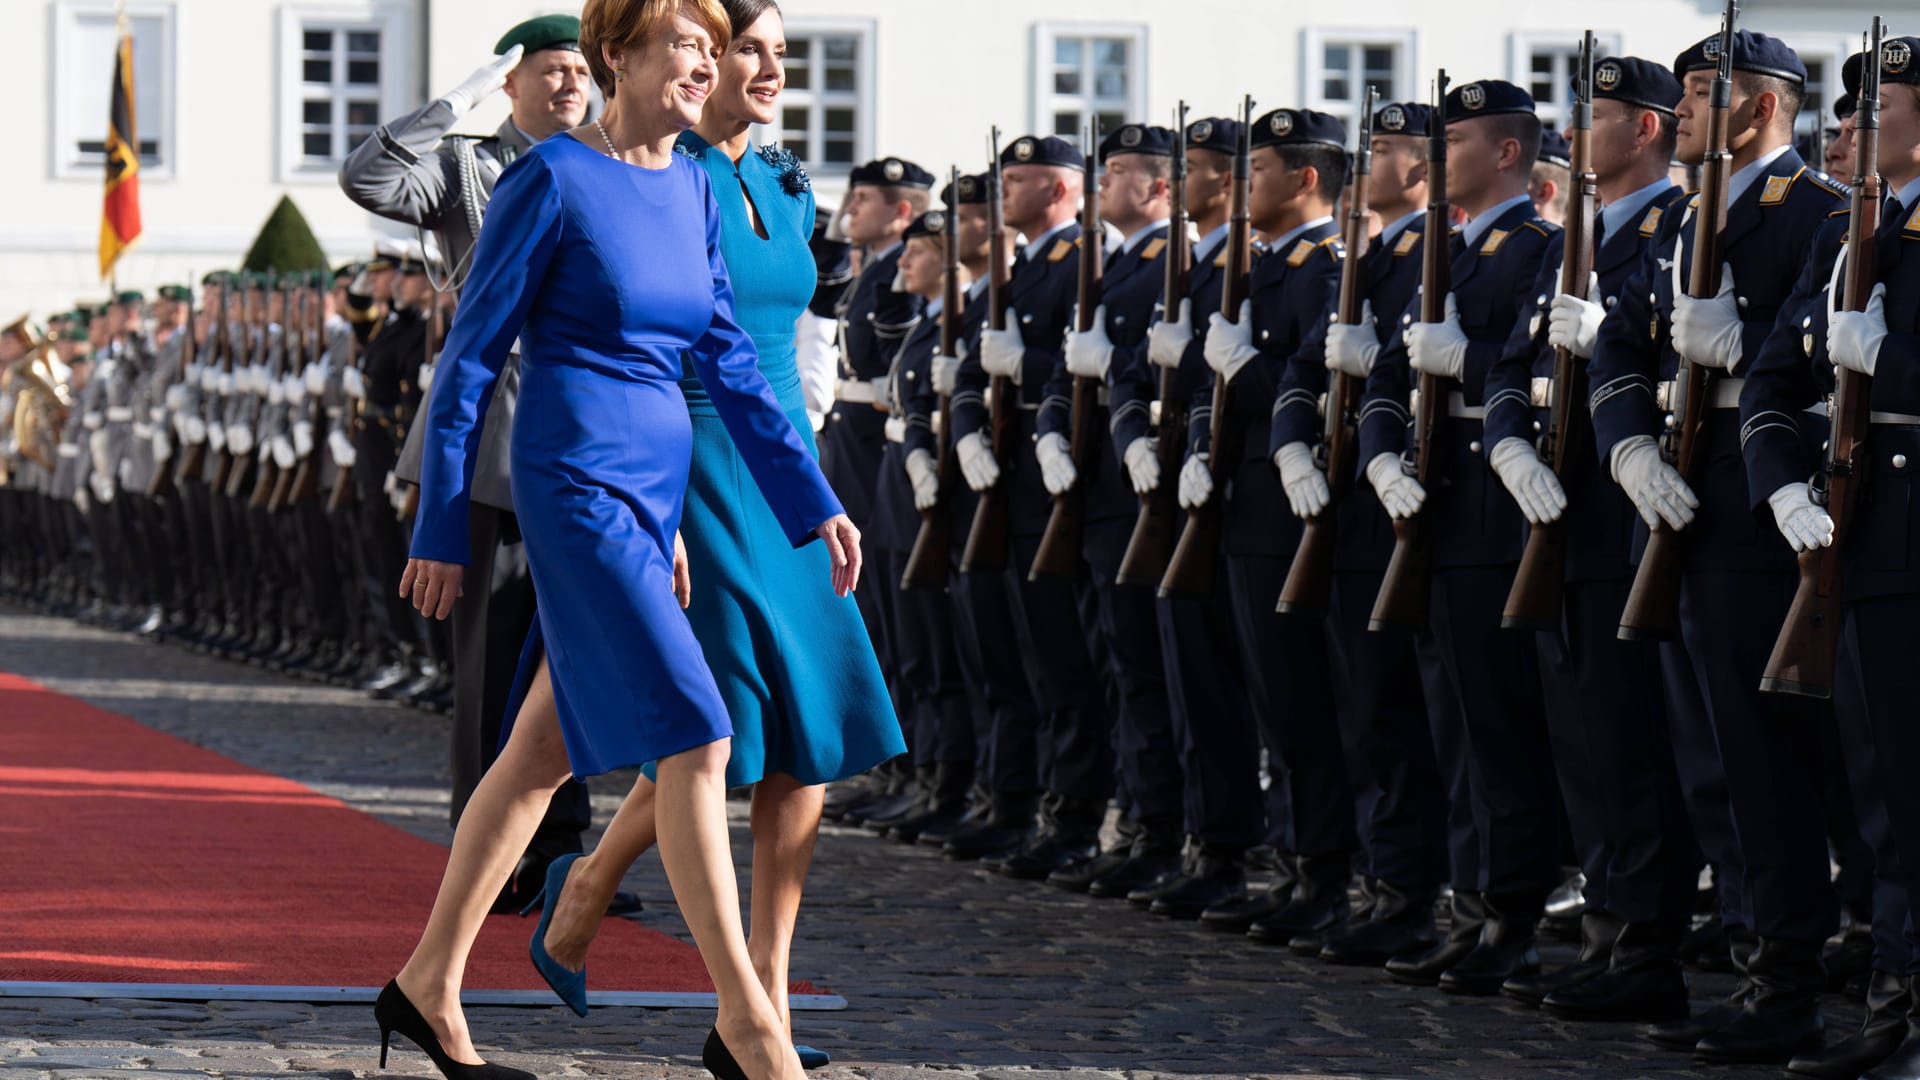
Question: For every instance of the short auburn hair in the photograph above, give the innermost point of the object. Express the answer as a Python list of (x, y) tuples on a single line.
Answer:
[(622, 24)]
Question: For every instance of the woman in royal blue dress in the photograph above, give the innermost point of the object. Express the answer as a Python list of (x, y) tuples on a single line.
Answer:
[(601, 252)]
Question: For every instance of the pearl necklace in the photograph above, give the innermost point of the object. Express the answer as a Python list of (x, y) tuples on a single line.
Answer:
[(608, 139)]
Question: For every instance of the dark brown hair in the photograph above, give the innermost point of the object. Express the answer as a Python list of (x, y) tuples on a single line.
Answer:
[(744, 13)]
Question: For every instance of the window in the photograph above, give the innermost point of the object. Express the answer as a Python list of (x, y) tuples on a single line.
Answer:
[(86, 41), (1340, 66), (1823, 56), (1543, 65), (339, 91), (826, 111), (1088, 75)]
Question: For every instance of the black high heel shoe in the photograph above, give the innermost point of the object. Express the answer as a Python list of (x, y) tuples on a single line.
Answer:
[(393, 1012), (719, 1060)]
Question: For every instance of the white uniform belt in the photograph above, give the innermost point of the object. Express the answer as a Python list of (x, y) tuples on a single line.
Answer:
[(1458, 409), (119, 414), (855, 391), (68, 450), (896, 429)]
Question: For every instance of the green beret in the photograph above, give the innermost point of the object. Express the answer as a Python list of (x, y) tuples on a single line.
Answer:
[(177, 293), (214, 277), (130, 296), (100, 310), (80, 318), (348, 271), (545, 32)]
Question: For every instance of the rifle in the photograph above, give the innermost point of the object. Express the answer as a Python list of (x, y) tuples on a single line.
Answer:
[(1653, 604), (163, 478), (933, 544), (1059, 551), (297, 358), (1309, 585), (435, 327), (1408, 584), (269, 470), (343, 488), (223, 471), (1196, 558), (1151, 545), (987, 538), (1802, 660), (1533, 603), (306, 479)]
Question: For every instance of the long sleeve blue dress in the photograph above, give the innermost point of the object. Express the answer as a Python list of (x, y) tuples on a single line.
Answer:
[(609, 274)]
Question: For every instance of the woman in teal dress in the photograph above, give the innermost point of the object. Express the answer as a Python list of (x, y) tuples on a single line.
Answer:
[(794, 663)]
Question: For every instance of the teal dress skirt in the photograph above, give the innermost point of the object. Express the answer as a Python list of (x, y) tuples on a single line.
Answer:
[(793, 662)]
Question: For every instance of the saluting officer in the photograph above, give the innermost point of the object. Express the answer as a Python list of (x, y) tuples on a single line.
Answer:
[(1738, 574), (1607, 714)]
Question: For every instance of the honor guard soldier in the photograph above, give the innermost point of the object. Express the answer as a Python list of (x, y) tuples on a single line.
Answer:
[(1606, 711), (1475, 534), (1737, 575), (1042, 179), (1552, 183), (1796, 371), (1385, 712), (1135, 200)]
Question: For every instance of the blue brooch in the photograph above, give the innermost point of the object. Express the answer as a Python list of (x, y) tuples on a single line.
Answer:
[(793, 178)]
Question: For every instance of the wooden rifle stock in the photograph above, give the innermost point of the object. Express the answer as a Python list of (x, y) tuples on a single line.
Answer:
[(1196, 558), (1653, 603), (268, 473), (343, 487), (1534, 601), (932, 550), (306, 477), (1803, 655), (1150, 546), (1059, 551), (1308, 589), (1407, 588), (164, 480), (988, 540)]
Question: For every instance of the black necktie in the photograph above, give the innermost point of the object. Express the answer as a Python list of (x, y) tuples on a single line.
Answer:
[(1599, 231), (1892, 219)]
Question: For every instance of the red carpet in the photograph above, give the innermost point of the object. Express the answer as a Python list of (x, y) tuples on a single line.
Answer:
[(133, 856)]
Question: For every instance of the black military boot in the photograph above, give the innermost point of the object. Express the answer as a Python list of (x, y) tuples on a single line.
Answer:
[(1506, 949), (895, 795), (1852, 956), (1152, 859), (1007, 825), (945, 805), (1597, 933), (1709, 946), (1905, 1062), (1077, 876), (1210, 874), (979, 803), (1069, 832), (1782, 1016), (1889, 997), (1400, 923), (1309, 943), (855, 791), (1643, 981), (919, 798), (1235, 913), (1425, 968), (1319, 901)]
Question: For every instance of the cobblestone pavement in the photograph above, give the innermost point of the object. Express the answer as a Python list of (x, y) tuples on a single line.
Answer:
[(950, 973)]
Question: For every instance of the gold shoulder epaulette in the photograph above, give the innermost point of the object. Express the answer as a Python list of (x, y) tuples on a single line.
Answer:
[(1777, 188), (1062, 249), (1651, 223), (1153, 249), (1408, 241)]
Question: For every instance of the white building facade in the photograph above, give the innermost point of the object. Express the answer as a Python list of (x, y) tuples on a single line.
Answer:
[(241, 101)]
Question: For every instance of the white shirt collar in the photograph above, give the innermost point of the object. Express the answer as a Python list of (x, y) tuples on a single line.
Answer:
[(1039, 243), (1134, 240), (1280, 242), (976, 287), (1744, 179), (935, 306), (888, 250), (1392, 232), (1478, 226), (1615, 215), (1908, 194)]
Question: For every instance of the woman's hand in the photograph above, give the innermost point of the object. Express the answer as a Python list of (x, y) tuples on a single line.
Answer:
[(843, 544), (431, 587), (682, 580)]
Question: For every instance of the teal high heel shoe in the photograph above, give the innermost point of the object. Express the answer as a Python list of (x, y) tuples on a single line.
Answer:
[(570, 985), (810, 1058)]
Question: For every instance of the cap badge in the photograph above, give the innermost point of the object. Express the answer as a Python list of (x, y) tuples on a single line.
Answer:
[(936, 221), (1473, 96), (1023, 150), (1282, 124), (1200, 131), (1393, 118), (894, 170), (1895, 56), (967, 187), (1130, 136), (1607, 76), (1711, 48)]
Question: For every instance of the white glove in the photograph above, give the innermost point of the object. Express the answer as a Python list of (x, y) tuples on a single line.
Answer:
[(102, 485), (224, 383), (303, 438), (485, 79), (1056, 463), (1003, 352), (978, 466), (1657, 489), (351, 384), (1707, 332), (426, 377), (162, 447), (1573, 324), (240, 439), (176, 398), (1533, 485), (294, 389), (1439, 348), (1805, 525), (1168, 340), (282, 448), (1352, 348), (1142, 459), (1196, 482), (1229, 344), (210, 379), (80, 500), (194, 431), (216, 437), (396, 494), (196, 374), (1400, 494), (276, 392), (1089, 354), (945, 370), (1306, 485), (92, 421), (926, 479), (1854, 337), (341, 448), (316, 376)]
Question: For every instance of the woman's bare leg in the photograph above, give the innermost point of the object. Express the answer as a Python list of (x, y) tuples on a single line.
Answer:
[(691, 816), (498, 823), (786, 822)]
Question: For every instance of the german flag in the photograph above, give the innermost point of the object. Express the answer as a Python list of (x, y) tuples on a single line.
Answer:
[(120, 217)]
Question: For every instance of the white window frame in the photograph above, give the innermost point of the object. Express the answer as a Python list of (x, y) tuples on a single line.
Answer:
[(67, 128), (1832, 50), (1043, 102), (1520, 49), (395, 25), (1313, 71), (865, 98)]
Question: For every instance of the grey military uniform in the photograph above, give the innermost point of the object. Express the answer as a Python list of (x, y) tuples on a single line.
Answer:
[(412, 170)]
